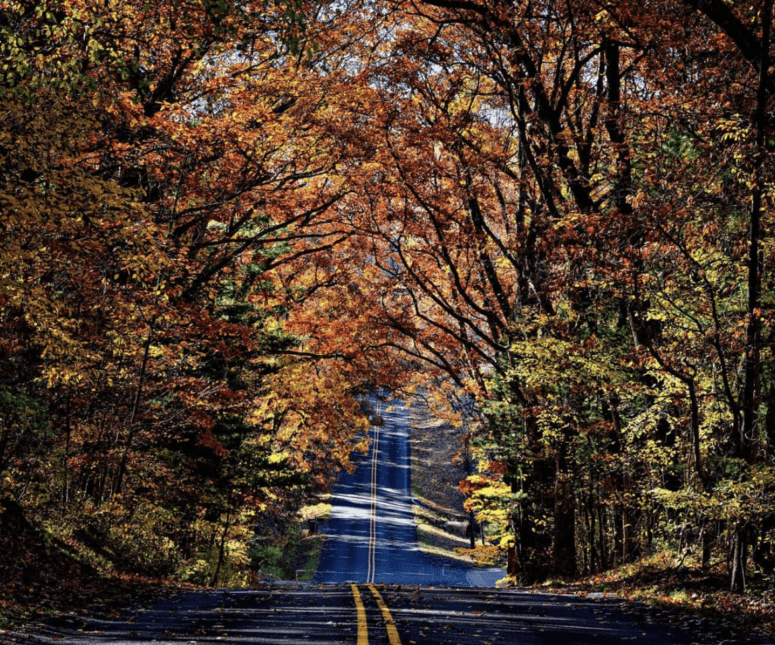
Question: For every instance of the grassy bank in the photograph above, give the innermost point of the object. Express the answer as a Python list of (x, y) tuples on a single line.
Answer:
[(432, 534), (438, 508)]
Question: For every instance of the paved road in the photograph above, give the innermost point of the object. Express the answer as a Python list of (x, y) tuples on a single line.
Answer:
[(371, 533), (374, 615)]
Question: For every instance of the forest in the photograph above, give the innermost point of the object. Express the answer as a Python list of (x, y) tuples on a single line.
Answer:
[(224, 223)]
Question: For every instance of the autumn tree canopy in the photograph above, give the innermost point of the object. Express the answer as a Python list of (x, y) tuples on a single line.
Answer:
[(224, 222)]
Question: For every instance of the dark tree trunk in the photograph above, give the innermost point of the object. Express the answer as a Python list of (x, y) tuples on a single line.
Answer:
[(222, 543), (738, 560), (593, 557), (564, 539), (601, 537), (746, 440)]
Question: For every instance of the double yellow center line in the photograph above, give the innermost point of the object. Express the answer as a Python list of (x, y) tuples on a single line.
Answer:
[(372, 555), (390, 624), (363, 628)]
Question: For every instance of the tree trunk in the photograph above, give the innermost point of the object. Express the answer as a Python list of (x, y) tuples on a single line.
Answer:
[(593, 558), (222, 543), (707, 543), (564, 539), (4, 436), (746, 438), (66, 454), (511, 560), (601, 537), (738, 560), (133, 415)]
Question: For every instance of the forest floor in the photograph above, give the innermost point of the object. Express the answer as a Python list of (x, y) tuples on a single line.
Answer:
[(683, 595)]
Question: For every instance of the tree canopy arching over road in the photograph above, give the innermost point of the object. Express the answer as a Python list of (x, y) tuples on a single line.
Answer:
[(224, 222)]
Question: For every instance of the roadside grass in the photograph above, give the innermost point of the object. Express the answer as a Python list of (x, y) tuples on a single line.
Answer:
[(434, 495), (431, 535), (434, 539), (312, 544), (415, 464)]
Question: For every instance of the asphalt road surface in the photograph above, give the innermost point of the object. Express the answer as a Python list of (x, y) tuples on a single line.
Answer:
[(373, 615), (371, 532)]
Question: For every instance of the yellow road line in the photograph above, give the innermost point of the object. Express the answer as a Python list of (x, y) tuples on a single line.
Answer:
[(363, 628), (390, 624), (372, 553)]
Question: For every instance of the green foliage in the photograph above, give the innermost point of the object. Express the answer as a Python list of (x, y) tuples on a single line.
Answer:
[(24, 425), (268, 559), (275, 558)]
